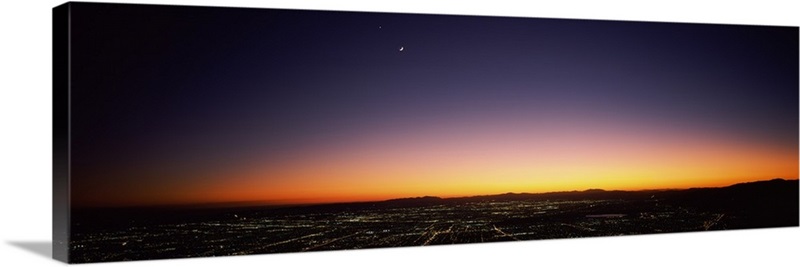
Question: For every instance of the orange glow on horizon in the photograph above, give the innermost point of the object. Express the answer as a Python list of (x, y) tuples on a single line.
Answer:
[(459, 160)]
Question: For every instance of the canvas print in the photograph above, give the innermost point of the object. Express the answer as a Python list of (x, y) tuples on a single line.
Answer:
[(185, 131)]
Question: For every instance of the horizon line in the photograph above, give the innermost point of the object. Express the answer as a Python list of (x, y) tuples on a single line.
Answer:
[(279, 203)]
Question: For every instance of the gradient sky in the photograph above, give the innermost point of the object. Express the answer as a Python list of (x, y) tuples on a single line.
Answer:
[(200, 105)]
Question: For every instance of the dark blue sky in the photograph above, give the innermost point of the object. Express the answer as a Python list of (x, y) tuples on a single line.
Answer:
[(171, 89)]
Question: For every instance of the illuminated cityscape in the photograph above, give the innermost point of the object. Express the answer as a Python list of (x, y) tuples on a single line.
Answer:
[(433, 221)]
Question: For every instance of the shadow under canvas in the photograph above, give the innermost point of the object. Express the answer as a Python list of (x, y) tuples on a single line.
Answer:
[(41, 248)]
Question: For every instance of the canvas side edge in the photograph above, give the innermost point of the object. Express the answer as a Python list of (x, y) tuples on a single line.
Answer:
[(61, 148)]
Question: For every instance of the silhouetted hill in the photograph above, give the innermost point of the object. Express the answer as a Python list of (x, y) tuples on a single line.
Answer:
[(743, 194), (565, 195), (767, 203), (413, 201), (751, 191)]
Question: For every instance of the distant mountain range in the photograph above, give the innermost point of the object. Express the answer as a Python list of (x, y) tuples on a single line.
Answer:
[(777, 193), (742, 190)]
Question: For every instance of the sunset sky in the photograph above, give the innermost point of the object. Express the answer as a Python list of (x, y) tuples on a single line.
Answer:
[(200, 105)]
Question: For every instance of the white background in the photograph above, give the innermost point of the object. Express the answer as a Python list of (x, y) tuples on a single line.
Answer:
[(25, 148)]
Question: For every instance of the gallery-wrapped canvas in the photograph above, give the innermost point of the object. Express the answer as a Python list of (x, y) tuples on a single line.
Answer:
[(182, 131)]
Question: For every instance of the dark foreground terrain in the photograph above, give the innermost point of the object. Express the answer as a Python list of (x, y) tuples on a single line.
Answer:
[(177, 232)]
